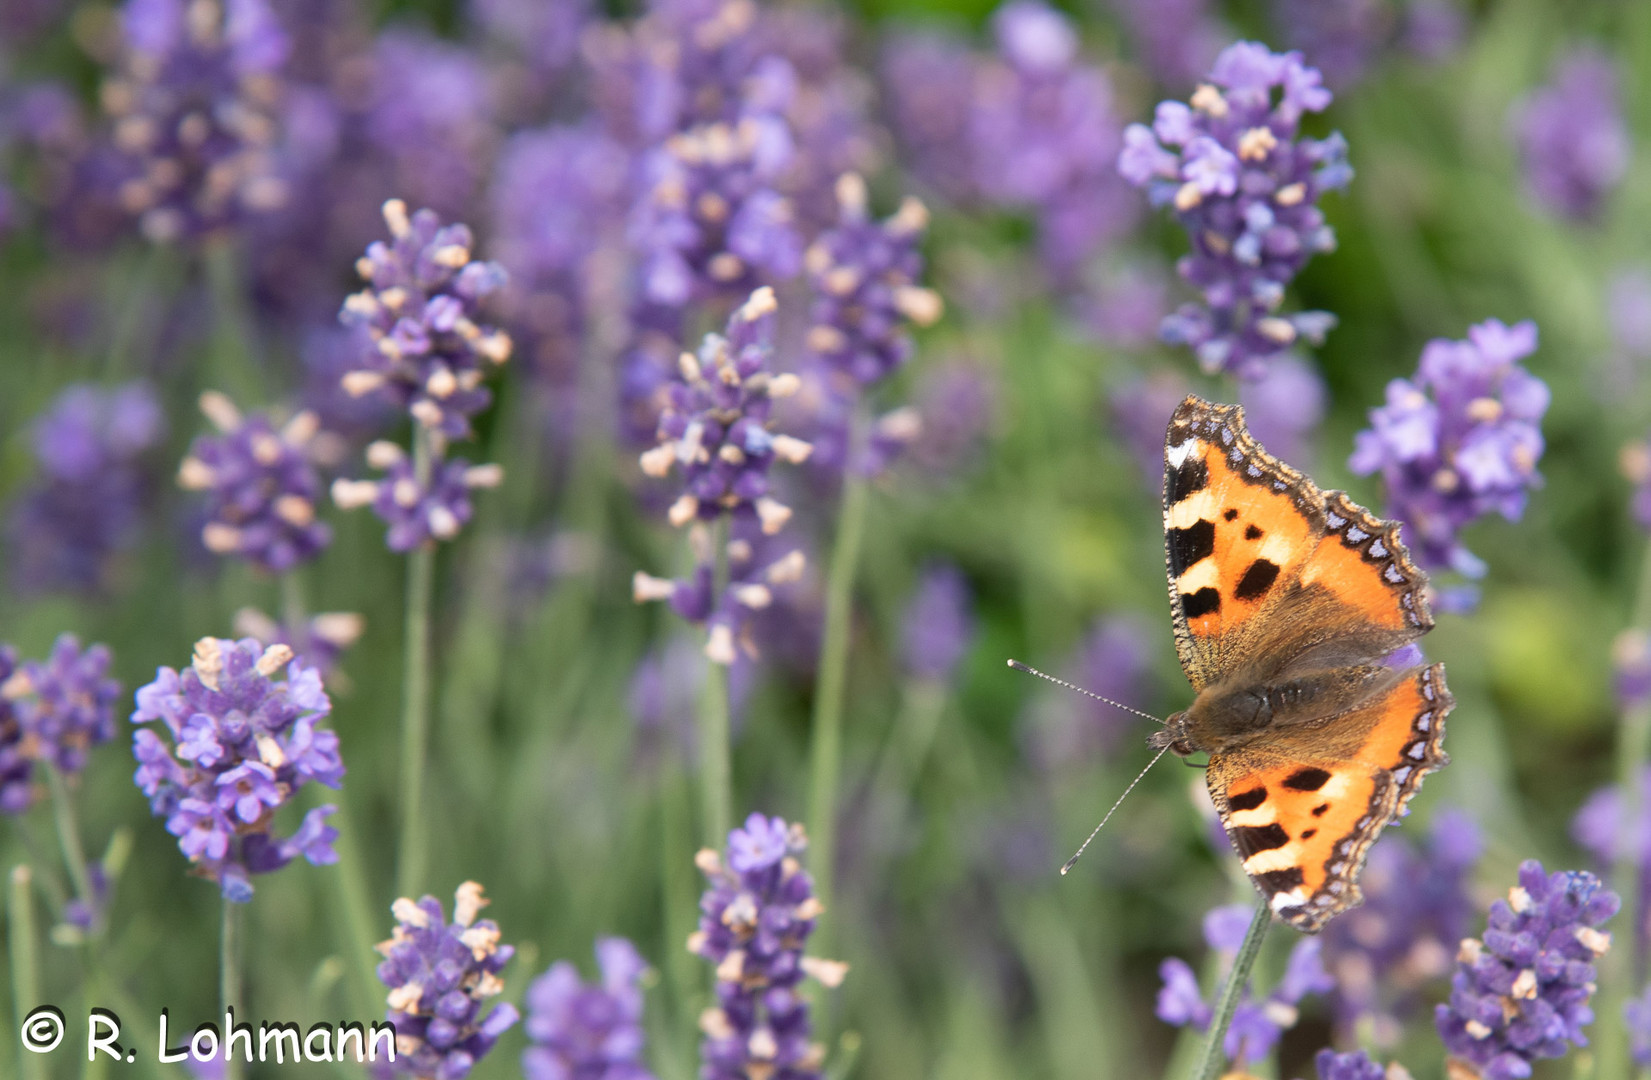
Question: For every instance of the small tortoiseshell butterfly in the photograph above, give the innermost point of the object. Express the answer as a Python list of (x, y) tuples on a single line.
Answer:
[(1287, 600)]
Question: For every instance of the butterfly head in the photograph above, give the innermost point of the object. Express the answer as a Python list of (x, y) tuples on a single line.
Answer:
[(1175, 736)]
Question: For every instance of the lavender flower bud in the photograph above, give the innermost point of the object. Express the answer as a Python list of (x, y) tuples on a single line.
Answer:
[(589, 1032), (865, 276), (262, 489), (938, 624), (1352, 1066), (417, 512), (318, 642), (1460, 440), (237, 745), (756, 918), (65, 704), (440, 976), (426, 350), (1246, 189), (17, 789), (194, 115), (1521, 993)]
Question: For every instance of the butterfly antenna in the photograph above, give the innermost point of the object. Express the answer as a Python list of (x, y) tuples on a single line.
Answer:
[(1069, 862), (1018, 666)]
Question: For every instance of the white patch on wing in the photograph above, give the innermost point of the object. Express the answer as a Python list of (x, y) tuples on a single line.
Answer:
[(1263, 862), (1294, 898), (1265, 814), (1175, 455), (1201, 574), (1191, 510), (1278, 549)]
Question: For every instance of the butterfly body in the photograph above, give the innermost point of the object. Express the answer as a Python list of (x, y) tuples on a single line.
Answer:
[(1292, 608)]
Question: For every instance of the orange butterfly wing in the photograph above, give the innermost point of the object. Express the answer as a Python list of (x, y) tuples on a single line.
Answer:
[(1303, 822)]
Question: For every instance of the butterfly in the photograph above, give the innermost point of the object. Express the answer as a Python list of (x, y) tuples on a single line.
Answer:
[(1289, 605)]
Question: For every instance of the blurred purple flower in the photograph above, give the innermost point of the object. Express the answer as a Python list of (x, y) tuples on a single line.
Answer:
[(1045, 137), (1386, 954), (928, 90), (1636, 1017), (262, 488), (1284, 406), (938, 625), (756, 917), (545, 33), (1246, 189), (17, 790), (588, 1032), (1573, 141), (1628, 310), (1459, 441), (429, 114), (1113, 661), (1341, 38), (64, 704), (318, 642), (84, 506), (418, 512), (955, 400), (242, 746), (440, 975), (1601, 829), (1124, 306), (194, 112), (1140, 412), (1631, 666), (1521, 993), (424, 348), (1350, 1066), (1256, 1025), (1176, 40)]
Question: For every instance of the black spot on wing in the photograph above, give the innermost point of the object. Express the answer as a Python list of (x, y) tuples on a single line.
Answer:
[(1252, 533), (1308, 834), (1247, 800), (1308, 779), (1318, 811), (1205, 601), (1256, 580), (1189, 545), (1231, 515), (1250, 839), (1277, 881), (1192, 477)]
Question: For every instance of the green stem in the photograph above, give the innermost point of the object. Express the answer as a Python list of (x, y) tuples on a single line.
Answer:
[(68, 837), (715, 771), (415, 693), (1214, 1056), (294, 611), (229, 977), (234, 360), (826, 752), (140, 295), (25, 969), (677, 894)]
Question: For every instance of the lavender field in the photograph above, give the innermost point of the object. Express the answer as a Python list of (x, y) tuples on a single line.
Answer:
[(515, 514)]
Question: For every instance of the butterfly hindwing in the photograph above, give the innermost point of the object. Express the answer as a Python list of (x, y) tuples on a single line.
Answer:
[(1303, 822)]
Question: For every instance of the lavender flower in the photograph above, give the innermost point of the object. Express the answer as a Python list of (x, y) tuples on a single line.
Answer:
[(1386, 953), (423, 347), (1602, 827), (1351, 1066), (928, 85), (84, 507), (1246, 189), (1112, 660), (712, 224), (1175, 39), (1521, 993), (440, 975), (955, 401), (1339, 37), (195, 115), (755, 921), (1045, 137), (716, 429), (1460, 440), (263, 489), (65, 705), (1573, 141), (938, 625), (241, 746), (1256, 1025), (1138, 410), (17, 789), (1631, 664), (1284, 406), (418, 511), (593, 1032), (865, 278)]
